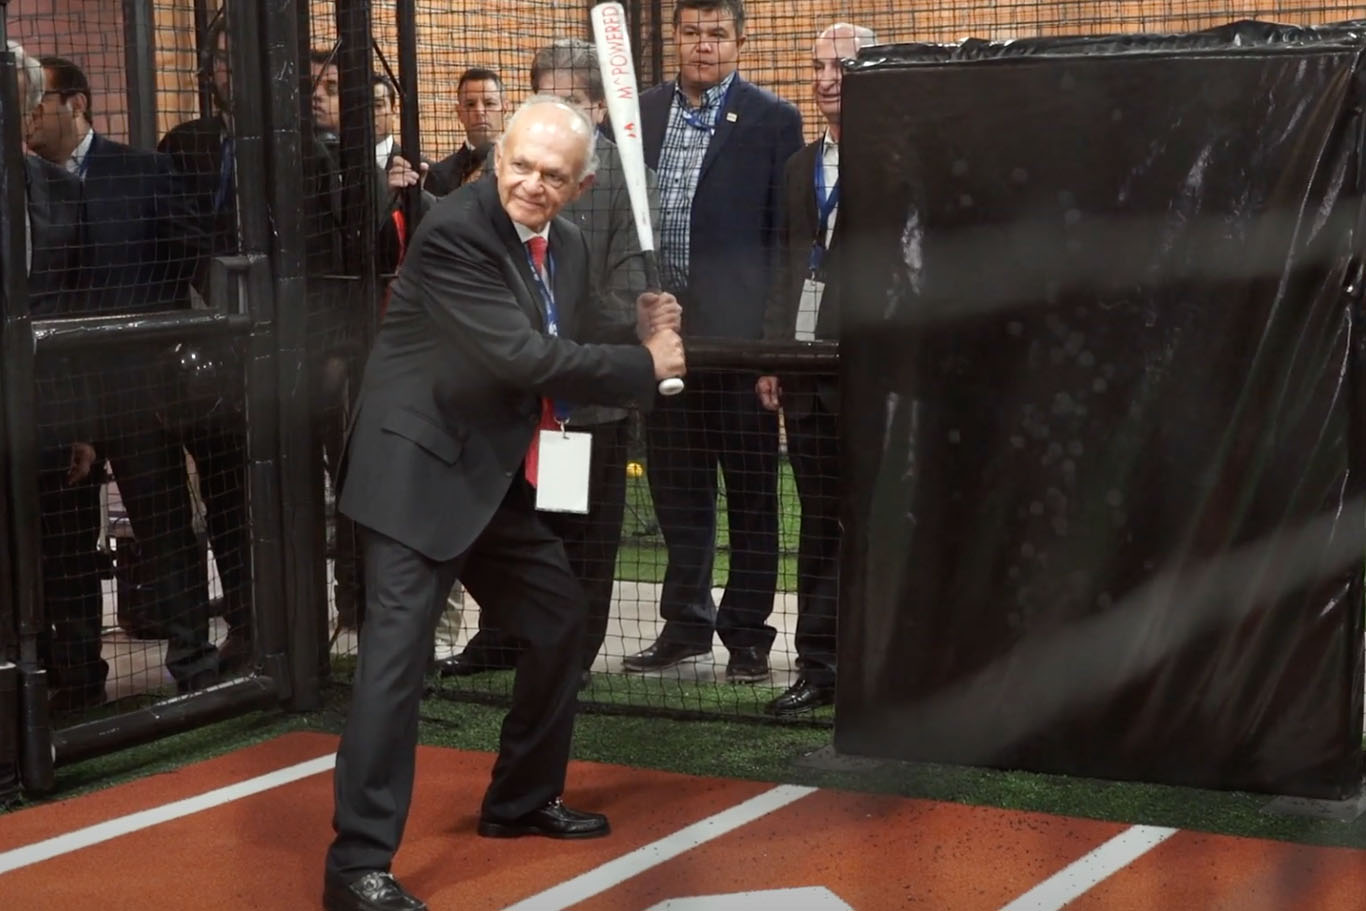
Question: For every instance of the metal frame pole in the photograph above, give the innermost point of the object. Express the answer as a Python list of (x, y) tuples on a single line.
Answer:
[(139, 55), (20, 450)]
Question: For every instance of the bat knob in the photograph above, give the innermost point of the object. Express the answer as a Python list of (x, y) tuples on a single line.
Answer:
[(672, 386)]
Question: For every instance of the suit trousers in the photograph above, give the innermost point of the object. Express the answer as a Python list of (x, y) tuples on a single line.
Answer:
[(717, 421), (73, 606), (219, 449), (149, 468), (516, 568), (591, 542), (813, 450)]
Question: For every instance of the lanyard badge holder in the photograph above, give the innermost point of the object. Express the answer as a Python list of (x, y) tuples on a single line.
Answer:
[(564, 458), (813, 288)]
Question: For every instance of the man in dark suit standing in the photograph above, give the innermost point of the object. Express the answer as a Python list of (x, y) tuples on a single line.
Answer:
[(68, 488), (204, 153), (804, 306), (471, 358), (719, 145), (569, 70), (480, 107), (142, 241)]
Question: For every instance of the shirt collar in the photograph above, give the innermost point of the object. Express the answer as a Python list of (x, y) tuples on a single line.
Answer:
[(525, 234), (73, 164), (711, 97), (383, 148)]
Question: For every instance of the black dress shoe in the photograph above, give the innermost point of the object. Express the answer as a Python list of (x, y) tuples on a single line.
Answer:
[(663, 655), (747, 665), (372, 892), (67, 699), (554, 820), (234, 655), (199, 680), (466, 664), (802, 696)]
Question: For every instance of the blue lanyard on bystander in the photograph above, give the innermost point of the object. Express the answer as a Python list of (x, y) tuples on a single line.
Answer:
[(826, 202)]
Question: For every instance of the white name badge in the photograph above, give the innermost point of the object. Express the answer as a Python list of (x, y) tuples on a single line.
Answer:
[(562, 471), (808, 309)]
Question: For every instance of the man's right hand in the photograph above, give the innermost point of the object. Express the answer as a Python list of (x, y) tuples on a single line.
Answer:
[(770, 392), (402, 175), (666, 350)]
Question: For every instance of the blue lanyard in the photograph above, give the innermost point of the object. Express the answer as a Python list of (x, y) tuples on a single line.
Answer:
[(552, 313), (692, 117), (826, 203)]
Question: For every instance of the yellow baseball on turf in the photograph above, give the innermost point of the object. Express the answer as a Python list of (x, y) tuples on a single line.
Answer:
[(634, 469)]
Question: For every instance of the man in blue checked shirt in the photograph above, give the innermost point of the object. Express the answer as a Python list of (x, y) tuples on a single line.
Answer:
[(719, 145)]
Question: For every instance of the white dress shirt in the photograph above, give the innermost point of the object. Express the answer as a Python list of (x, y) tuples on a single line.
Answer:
[(73, 164)]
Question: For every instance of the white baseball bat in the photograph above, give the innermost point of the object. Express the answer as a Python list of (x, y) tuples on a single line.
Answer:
[(618, 67)]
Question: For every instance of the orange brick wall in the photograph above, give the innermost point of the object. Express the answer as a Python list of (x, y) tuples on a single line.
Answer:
[(454, 34)]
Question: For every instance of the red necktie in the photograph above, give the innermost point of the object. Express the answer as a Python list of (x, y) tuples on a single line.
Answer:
[(536, 246)]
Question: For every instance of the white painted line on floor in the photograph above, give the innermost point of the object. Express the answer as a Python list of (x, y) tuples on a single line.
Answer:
[(614, 872), (1087, 871), (143, 819)]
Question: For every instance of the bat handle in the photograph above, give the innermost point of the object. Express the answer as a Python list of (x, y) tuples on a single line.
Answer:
[(672, 385)]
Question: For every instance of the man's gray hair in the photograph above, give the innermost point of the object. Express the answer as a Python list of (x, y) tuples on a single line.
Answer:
[(33, 71), (863, 36), (582, 126)]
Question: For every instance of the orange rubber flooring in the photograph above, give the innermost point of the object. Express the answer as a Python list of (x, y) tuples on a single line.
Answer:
[(865, 852)]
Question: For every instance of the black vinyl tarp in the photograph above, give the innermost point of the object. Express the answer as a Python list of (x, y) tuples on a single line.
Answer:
[(1103, 392)]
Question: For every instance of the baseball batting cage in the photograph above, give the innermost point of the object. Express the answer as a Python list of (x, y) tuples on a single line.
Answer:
[(1065, 483)]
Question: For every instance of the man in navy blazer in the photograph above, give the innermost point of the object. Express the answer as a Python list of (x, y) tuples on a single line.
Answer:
[(142, 244), (719, 145)]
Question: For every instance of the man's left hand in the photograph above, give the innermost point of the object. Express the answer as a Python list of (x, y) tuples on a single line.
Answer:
[(655, 311)]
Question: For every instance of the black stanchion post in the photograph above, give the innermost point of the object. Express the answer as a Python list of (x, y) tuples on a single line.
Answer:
[(262, 376), (284, 44), (409, 132), (20, 436), (357, 141), (203, 15), (139, 52)]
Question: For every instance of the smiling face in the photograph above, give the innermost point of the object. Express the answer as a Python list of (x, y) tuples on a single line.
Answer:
[(540, 162), (827, 73)]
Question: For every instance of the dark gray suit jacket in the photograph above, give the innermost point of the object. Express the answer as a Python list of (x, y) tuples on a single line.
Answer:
[(616, 268), (56, 213), (64, 388), (451, 394), (800, 223)]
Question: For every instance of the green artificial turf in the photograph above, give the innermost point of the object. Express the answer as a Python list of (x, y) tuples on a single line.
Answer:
[(748, 749)]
